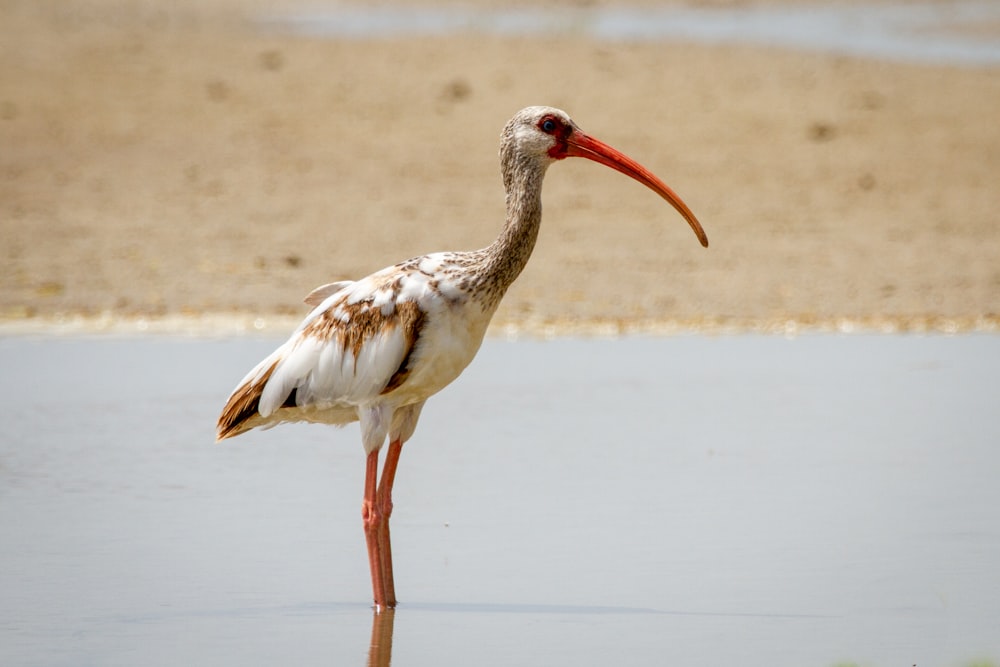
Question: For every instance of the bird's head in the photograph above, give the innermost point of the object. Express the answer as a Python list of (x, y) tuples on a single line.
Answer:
[(542, 135), (539, 133)]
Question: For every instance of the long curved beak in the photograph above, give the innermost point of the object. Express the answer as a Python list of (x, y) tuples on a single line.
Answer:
[(579, 144)]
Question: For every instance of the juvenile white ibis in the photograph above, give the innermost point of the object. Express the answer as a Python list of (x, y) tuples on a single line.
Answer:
[(374, 350)]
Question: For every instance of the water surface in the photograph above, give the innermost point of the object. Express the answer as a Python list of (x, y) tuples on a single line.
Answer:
[(740, 500), (956, 33)]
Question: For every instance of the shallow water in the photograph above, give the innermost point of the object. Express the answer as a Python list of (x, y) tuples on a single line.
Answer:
[(945, 33), (688, 500)]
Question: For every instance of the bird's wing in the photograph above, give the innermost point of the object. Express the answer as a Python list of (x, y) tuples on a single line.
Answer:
[(321, 293), (353, 347), (343, 356), (338, 363)]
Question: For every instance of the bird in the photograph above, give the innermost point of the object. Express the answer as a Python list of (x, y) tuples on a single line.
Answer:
[(375, 349)]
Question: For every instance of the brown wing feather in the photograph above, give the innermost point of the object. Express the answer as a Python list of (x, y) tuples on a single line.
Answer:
[(242, 406), (242, 411)]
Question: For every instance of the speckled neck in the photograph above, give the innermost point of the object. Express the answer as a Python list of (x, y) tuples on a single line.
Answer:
[(506, 257)]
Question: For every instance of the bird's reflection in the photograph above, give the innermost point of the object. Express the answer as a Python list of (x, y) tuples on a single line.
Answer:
[(380, 649)]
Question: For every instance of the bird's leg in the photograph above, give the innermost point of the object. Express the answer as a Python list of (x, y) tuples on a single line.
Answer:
[(373, 524), (383, 508)]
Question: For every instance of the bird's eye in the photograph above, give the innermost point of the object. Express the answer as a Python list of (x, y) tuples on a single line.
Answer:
[(548, 126)]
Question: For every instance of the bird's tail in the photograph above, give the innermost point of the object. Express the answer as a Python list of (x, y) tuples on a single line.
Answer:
[(242, 409)]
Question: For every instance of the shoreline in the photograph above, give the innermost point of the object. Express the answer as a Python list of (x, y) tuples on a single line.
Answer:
[(225, 325)]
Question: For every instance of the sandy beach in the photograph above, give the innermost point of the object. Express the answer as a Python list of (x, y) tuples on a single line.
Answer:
[(194, 164)]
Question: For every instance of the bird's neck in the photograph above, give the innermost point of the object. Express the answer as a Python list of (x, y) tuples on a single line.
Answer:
[(507, 256)]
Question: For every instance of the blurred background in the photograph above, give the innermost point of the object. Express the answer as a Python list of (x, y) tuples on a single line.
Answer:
[(198, 158)]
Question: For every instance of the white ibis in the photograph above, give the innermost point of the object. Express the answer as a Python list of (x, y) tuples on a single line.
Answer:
[(374, 350)]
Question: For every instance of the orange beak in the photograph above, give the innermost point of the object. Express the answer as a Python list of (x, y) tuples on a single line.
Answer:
[(579, 144)]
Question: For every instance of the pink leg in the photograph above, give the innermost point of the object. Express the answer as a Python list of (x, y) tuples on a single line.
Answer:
[(383, 509), (373, 524)]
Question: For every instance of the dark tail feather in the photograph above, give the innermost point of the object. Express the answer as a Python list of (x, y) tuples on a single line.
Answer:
[(242, 406)]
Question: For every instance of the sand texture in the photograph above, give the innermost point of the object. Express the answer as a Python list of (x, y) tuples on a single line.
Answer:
[(190, 163)]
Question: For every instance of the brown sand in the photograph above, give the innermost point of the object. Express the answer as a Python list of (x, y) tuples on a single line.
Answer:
[(159, 163)]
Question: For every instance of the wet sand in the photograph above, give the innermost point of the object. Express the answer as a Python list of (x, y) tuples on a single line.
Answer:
[(188, 167)]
